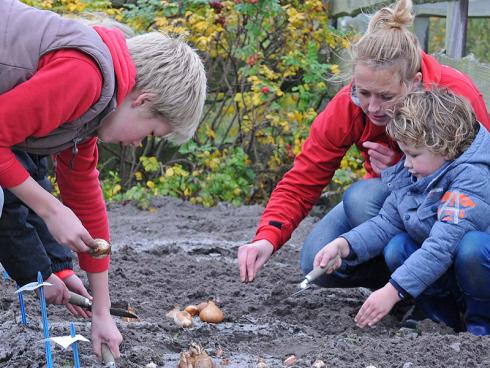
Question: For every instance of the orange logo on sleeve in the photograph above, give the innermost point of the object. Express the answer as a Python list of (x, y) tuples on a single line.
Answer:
[(454, 205)]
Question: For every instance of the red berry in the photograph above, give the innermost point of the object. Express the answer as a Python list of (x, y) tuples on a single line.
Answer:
[(252, 59), (216, 5), (265, 90)]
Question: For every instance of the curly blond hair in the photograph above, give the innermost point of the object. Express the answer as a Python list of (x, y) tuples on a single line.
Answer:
[(436, 119)]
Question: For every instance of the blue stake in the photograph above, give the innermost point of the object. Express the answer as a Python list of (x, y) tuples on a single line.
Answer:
[(74, 347), (44, 314), (22, 307), (5, 276)]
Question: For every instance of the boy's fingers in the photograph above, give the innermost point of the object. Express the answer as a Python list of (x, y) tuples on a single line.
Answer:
[(88, 241), (114, 349), (72, 309)]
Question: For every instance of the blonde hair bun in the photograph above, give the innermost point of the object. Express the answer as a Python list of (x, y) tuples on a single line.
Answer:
[(399, 15)]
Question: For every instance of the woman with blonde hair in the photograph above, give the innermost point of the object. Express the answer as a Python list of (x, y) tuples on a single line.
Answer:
[(387, 63)]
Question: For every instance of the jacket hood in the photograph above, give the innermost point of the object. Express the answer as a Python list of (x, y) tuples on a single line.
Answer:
[(478, 153), (124, 67), (431, 71)]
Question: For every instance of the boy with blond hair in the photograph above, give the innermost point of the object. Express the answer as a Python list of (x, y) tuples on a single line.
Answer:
[(434, 220), (63, 86)]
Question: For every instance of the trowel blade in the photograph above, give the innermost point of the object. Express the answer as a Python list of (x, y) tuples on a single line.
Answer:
[(298, 292)]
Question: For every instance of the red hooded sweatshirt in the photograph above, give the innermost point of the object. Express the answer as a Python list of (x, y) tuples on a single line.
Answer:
[(66, 84), (333, 132)]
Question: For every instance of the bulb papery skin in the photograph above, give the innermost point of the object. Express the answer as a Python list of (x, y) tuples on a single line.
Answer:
[(193, 310), (181, 318), (212, 313), (103, 249)]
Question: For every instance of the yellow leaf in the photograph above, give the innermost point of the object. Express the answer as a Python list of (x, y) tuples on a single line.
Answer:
[(117, 188)]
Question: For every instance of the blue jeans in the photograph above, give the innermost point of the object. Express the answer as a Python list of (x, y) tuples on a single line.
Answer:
[(469, 275), (361, 201)]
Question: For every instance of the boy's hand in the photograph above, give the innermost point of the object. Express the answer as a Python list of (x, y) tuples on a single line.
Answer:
[(74, 284), (380, 156), (57, 293), (376, 306), (62, 223), (104, 330), (251, 258), (67, 229), (337, 248)]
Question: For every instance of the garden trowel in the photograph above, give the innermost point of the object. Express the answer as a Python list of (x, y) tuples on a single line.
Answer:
[(313, 275), (81, 301), (107, 357)]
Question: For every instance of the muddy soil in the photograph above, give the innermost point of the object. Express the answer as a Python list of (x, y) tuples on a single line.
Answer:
[(184, 254)]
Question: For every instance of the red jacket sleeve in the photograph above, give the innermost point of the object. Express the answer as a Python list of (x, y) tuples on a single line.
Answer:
[(81, 191), (332, 133)]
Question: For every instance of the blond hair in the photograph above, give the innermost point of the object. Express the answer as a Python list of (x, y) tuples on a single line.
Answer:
[(169, 68), (388, 42), (437, 120)]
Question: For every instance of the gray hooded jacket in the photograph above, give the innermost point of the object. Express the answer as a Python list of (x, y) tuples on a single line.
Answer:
[(436, 211)]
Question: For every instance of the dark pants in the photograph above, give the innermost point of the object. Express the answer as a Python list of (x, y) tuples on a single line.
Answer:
[(26, 244)]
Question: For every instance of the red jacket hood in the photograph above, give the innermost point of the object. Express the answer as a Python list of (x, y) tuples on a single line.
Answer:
[(123, 63), (431, 71)]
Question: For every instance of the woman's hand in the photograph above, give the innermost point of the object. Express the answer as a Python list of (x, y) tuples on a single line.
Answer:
[(380, 156), (336, 249), (251, 258), (376, 306)]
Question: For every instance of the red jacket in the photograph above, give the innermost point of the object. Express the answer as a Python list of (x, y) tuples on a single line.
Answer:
[(66, 84), (333, 132)]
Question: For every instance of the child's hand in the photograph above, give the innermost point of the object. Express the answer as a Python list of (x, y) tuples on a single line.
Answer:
[(376, 306), (62, 223), (74, 284), (338, 248), (67, 229), (104, 330), (57, 293)]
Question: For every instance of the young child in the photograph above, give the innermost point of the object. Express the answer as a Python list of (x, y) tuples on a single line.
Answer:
[(433, 221), (63, 85)]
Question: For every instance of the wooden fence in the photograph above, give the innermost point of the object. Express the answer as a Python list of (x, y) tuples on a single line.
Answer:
[(456, 13)]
